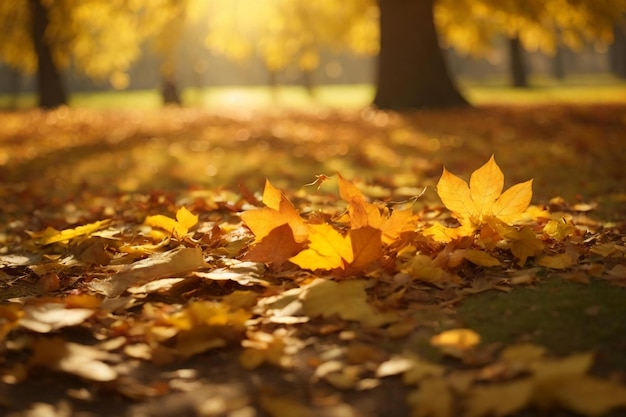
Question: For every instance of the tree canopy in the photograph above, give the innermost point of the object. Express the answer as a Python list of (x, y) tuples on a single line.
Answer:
[(102, 38), (99, 38)]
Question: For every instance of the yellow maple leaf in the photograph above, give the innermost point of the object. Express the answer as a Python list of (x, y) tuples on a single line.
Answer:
[(483, 198), (328, 249), (177, 227)]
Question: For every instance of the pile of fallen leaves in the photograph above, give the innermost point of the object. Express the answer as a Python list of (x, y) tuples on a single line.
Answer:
[(160, 279)]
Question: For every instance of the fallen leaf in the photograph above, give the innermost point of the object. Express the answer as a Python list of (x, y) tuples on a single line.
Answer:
[(10, 314), (84, 361), (361, 213), (608, 249), (433, 398), (366, 247), (178, 261), (279, 211), (51, 235), (525, 244), (179, 227), (461, 339), (44, 318), (502, 399), (589, 396), (283, 406), (617, 272), (481, 199), (346, 299), (560, 261), (559, 230), (244, 273), (423, 268), (206, 325), (478, 257), (327, 249), (276, 248)]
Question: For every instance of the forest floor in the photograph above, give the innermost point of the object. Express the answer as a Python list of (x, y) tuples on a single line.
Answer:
[(117, 300)]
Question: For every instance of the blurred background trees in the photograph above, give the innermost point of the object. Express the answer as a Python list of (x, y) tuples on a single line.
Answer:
[(409, 40)]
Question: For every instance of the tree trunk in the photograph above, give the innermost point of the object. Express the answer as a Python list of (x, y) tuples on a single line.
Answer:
[(306, 77), (50, 88), (412, 71), (169, 91), (558, 64), (518, 66), (617, 54), (15, 88)]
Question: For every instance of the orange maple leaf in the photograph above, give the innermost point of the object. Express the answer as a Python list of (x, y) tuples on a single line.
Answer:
[(361, 212), (275, 248), (366, 246), (279, 211), (482, 199)]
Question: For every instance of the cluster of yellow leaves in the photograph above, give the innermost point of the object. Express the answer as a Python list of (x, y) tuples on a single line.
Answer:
[(283, 235), (368, 234)]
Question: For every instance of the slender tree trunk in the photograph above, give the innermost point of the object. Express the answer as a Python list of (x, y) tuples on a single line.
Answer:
[(617, 53), (412, 71), (518, 66), (15, 88), (169, 90), (558, 64), (50, 86), (307, 82)]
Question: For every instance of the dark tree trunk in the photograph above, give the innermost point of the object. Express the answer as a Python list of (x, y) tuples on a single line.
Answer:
[(412, 71), (50, 86), (558, 64), (15, 88), (618, 53), (518, 66), (169, 91), (307, 82)]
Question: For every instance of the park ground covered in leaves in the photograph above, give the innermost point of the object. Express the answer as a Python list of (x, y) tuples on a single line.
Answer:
[(324, 263)]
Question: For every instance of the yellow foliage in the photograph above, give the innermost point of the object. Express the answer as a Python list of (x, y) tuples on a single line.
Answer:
[(482, 199), (51, 235), (179, 227), (327, 249)]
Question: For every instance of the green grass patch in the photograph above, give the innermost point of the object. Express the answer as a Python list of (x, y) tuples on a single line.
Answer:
[(565, 317), (495, 90)]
